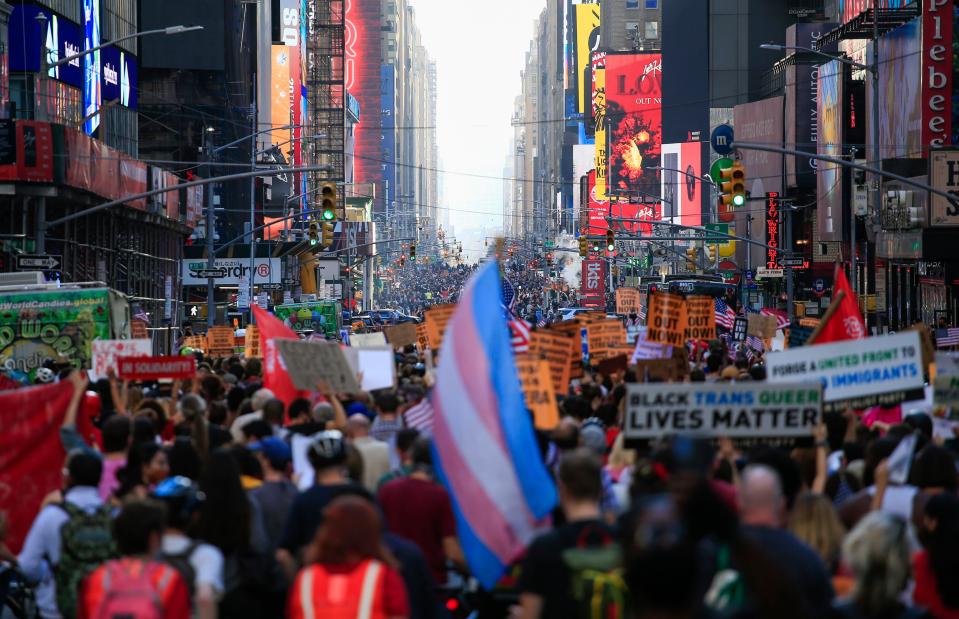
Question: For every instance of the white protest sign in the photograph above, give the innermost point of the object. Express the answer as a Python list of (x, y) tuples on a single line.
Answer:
[(737, 411), (105, 353), (310, 362), (377, 365), (856, 374), (900, 460), (650, 350), (302, 469), (367, 340)]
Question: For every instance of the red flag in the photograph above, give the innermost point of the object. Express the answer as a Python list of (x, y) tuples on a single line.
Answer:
[(275, 376), (846, 322), (31, 455)]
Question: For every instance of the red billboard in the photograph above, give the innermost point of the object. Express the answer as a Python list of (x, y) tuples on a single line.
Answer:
[(33, 152), (634, 99), (600, 210), (593, 286), (937, 54)]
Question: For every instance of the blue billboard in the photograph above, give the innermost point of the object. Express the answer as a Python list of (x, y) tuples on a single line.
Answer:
[(92, 95), (119, 77), (61, 39)]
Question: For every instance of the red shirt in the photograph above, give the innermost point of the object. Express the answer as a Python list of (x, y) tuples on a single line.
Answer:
[(420, 511), (926, 593), (389, 600), (173, 593)]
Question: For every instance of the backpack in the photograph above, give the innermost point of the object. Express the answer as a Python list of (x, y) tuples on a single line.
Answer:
[(129, 592), (597, 584), (17, 598), (85, 544), (727, 591), (180, 561)]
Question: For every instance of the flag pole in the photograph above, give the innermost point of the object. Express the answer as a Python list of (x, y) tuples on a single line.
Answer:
[(840, 295)]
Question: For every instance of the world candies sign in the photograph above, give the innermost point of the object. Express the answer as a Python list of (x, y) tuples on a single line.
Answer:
[(736, 411)]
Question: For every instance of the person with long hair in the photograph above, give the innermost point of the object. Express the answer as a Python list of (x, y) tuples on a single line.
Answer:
[(147, 465), (813, 520), (936, 567), (349, 572)]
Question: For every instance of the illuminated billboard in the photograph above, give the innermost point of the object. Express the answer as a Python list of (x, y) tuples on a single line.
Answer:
[(92, 96), (900, 90), (280, 70), (634, 121), (829, 186), (62, 39), (587, 40), (846, 10), (599, 118), (119, 77), (362, 75)]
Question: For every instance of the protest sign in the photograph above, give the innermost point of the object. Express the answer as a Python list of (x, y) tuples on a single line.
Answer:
[(925, 339), (219, 341), (367, 340), (196, 342), (627, 301), (945, 386), (559, 351), (435, 320), (667, 319), (604, 336), (740, 328), (712, 410), (661, 370), (761, 326), (798, 335), (856, 374), (537, 384), (310, 362), (900, 460), (401, 335), (700, 318), (105, 353), (376, 365), (138, 330), (152, 368), (649, 350), (608, 367), (251, 344), (422, 337)]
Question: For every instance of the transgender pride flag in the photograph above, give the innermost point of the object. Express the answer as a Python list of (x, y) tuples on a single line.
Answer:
[(485, 451)]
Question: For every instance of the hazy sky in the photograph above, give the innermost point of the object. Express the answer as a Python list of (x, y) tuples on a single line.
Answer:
[(479, 49)]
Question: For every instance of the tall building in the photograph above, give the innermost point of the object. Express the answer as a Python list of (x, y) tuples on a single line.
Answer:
[(631, 24)]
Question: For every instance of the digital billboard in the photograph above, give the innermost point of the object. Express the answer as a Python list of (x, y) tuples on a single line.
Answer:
[(587, 41), (682, 190), (598, 72), (119, 77), (362, 79), (280, 98), (634, 121), (900, 90), (92, 95), (846, 10), (62, 39), (829, 186)]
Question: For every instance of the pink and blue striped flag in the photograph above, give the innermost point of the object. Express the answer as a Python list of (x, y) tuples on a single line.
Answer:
[(485, 449)]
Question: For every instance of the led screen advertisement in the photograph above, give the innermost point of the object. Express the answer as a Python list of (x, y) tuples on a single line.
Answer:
[(829, 186), (900, 90), (362, 80), (61, 39), (846, 10), (92, 95), (633, 121), (587, 41), (682, 190), (598, 72), (118, 77)]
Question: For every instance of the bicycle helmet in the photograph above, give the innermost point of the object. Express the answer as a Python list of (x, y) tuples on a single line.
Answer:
[(181, 496), (328, 449), (44, 376)]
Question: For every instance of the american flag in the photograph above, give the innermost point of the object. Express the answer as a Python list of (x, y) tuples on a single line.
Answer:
[(755, 343), (946, 338), (725, 316), (782, 318), (420, 416), (519, 334), (542, 322), (642, 312)]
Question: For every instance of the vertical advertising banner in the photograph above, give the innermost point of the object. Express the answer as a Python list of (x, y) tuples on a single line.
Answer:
[(587, 41), (599, 118), (594, 282), (634, 111), (597, 209), (280, 97), (900, 91), (91, 65), (829, 187), (937, 58), (772, 230), (691, 189)]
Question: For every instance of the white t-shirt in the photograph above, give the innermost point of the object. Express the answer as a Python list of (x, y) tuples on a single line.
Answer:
[(206, 560)]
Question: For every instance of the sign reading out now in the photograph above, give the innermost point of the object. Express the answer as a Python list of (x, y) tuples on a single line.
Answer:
[(667, 319)]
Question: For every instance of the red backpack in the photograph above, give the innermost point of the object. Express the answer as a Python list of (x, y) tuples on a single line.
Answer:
[(133, 590)]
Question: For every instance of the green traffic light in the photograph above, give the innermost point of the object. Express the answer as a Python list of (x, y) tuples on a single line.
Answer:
[(328, 214), (313, 241), (739, 200)]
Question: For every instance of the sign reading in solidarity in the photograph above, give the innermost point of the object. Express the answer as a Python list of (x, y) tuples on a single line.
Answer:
[(739, 411), (152, 368), (856, 374), (667, 319)]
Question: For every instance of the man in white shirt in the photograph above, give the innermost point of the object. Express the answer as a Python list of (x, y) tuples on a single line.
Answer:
[(375, 454)]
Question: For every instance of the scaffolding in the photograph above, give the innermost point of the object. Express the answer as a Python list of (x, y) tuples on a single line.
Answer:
[(325, 130)]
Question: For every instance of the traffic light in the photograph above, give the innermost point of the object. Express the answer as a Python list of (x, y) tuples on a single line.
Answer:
[(328, 201), (583, 246), (691, 259), (412, 252), (328, 228), (594, 245), (610, 240), (733, 187), (314, 233)]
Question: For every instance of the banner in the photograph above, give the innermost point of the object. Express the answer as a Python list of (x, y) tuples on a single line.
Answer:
[(106, 352), (700, 318), (587, 40), (738, 411), (534, 377), (856, 374), (634, 99), (627, 301), (594, 282), (667, 319), (151, 368)]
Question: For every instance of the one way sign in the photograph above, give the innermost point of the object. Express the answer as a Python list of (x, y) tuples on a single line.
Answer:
[(33, 262)]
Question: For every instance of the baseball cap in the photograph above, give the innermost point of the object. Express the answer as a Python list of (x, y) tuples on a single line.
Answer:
[(275, 450)]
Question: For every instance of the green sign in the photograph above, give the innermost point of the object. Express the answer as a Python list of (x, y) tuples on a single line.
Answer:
[(721, 228), (318, 316), (718, 165)]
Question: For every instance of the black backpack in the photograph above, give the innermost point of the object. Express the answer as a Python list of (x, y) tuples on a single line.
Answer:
[(16, 596), (180, 561)]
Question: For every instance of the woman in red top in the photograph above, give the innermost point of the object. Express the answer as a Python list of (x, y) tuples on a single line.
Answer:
[(349, 573), (936, 569)]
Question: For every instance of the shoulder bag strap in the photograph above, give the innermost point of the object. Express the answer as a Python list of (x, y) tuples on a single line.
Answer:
[(370, 581)]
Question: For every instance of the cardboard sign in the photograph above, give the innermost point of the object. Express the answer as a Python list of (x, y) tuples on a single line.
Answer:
[(377, 366), (310, 362), (151, 368), (196, 342), (608, 367), (251, 344), (700, 318), (857, 374), (368, 340), (435, 320), (925, 339), (603, 337), (761, 326), (401, 335), (649, 350), (712, 410), (422, 337), (667, 320), (740, 329), (537, 384), (559, 351), (219, 341), (661, 370), (106, 352), (627, 301), (138, 330)]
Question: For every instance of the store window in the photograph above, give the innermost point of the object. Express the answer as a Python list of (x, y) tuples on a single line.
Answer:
[(652, 30)]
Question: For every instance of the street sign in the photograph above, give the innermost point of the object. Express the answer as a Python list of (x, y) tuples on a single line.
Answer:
[(271, 286), (28, 262), (792, 261), (722, 140), (211, 273), (721, 228), (288, 281), (765, 273)]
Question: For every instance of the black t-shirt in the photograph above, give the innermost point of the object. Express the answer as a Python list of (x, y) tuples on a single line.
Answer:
[(544, 572), (306, 513), (307, 428)]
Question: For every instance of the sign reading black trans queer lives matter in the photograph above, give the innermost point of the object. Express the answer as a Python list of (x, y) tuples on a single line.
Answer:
[(857, 374), (736, 411)]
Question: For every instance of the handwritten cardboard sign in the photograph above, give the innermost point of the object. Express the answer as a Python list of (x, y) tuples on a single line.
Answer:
[(604, 337), (537, 384), (251, 344), (435, 320), (367, 340), (310, 362), (106, 352), (627, 301), (700, 318), (422, 337), (401, 335), (667, 319), (761, 326)]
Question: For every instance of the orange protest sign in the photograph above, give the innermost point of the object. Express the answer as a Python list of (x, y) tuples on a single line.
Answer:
[(667, 319), (559, 351), (422, 338), (138, 330), (627, 301), (700, 318), (252, 344), (219, 341), (534, 376), (603, 337), (435, 320), (196, 342)]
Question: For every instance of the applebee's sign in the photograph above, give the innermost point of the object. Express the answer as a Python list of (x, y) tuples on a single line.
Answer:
[(936, 72)]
